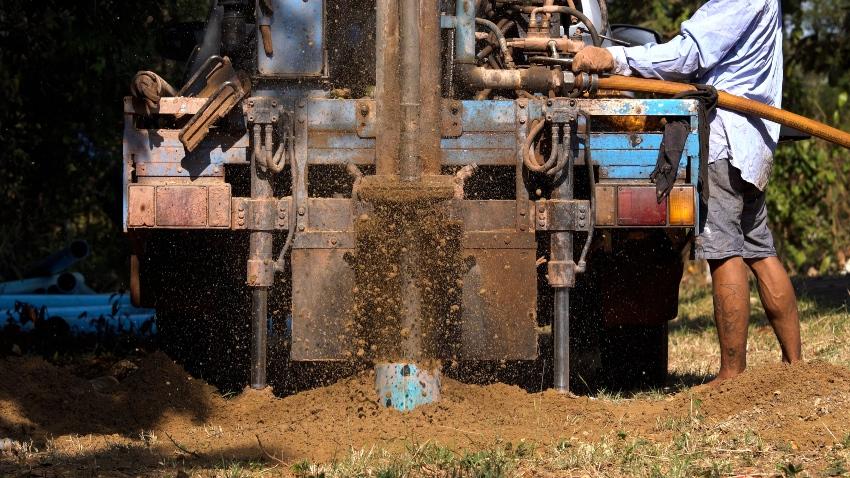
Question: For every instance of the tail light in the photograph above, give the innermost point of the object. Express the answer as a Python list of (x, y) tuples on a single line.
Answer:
[(632, 205), (682, 206)]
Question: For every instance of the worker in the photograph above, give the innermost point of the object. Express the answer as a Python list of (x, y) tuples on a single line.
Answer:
[(735, 46)]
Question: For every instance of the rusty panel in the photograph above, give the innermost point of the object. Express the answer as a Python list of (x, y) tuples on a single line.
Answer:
[(219, 206), (329, 214), (140, 206), (181, 206), (489, 215), (606, 213), (321, 300), (499, 305)]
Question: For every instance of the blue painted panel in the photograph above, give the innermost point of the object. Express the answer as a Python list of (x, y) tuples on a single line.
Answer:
[(341, 156), (298, 36), (626, 172), (480, 140), (331, 115), (489, 116), (481, 157), (630, 141), (333, 139), (627, 107), (620, 157)]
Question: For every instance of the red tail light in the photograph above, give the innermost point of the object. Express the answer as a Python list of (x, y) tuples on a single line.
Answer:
[(637, 206)]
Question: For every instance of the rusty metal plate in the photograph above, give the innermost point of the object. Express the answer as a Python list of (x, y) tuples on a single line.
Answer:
[(606, 214), (500, 305), (140, 206), (451, 118), (219, 206), (181, 206), (322, 284), (365, 112)]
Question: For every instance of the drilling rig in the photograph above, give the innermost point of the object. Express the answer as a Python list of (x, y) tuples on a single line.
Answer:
[(409, 184)]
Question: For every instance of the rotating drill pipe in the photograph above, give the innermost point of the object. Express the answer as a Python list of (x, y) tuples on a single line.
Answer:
[(733, 103)]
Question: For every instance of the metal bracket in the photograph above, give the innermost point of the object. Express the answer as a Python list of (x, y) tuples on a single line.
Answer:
[(261, 109), (557, 215), (561, 110), (451, 118), (366, 118), (260, 214)]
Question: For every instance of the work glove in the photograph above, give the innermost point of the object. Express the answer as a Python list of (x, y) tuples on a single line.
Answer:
[(592, 59)]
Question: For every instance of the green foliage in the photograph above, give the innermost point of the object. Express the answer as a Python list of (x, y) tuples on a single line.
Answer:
[(64, 68)]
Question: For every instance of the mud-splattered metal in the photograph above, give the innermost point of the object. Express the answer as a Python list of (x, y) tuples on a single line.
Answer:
[(405, 386)]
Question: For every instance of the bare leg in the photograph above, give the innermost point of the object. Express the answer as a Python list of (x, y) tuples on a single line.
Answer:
[(780, 305), (731, 314)]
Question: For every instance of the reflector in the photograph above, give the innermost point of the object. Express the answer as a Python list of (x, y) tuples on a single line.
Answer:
[(637, 206), (682, 206)]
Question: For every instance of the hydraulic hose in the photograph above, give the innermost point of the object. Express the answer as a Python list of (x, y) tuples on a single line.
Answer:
[(734, 103), (591, 28)]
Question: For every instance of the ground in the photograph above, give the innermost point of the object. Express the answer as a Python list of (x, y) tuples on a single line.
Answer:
[(154, 420)]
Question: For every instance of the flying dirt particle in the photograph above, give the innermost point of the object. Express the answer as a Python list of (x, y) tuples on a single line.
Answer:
[(361, 352), (482, 291), (364, 217), (454, 308), (404, 332)]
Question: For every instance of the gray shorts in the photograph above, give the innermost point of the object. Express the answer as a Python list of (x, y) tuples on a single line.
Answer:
[(734, 223)]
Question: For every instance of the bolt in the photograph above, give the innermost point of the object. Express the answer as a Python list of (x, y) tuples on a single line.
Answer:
[(549, 102), (250, 118), (274, 104), (548, 117), (572, 102), (455, 109), (333, 242), (281, 214), (274, 119), (301, 227), (522, 213), (507, 240), (364, 109), (302, 103), (522, 103), (251, 103), (240, 207), (522, 121), (301, 211)]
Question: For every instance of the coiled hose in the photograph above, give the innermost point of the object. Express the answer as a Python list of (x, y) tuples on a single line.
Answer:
[(734, 103)]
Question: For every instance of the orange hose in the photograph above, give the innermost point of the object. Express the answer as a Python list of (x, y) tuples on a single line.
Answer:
[(734, 103)]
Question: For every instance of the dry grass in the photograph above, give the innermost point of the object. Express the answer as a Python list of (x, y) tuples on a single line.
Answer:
[(694, 449)]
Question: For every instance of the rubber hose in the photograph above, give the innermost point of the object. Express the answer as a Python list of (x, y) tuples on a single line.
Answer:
[(734, 103)]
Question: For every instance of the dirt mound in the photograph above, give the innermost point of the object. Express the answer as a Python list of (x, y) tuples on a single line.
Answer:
[(804, 404)]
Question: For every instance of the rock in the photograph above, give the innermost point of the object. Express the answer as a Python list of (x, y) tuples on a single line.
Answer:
[(122, 369), (103, 384)]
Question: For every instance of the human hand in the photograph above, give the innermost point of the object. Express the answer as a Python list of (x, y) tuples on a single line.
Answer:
[(593, 59)]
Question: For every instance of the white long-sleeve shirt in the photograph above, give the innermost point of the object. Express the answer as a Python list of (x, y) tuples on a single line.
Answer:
[(736, 46)]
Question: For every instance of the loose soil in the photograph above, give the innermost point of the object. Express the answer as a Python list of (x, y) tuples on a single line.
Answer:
[(159, 405)]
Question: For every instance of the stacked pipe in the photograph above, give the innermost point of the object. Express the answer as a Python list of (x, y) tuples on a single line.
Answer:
[(56, 293)]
